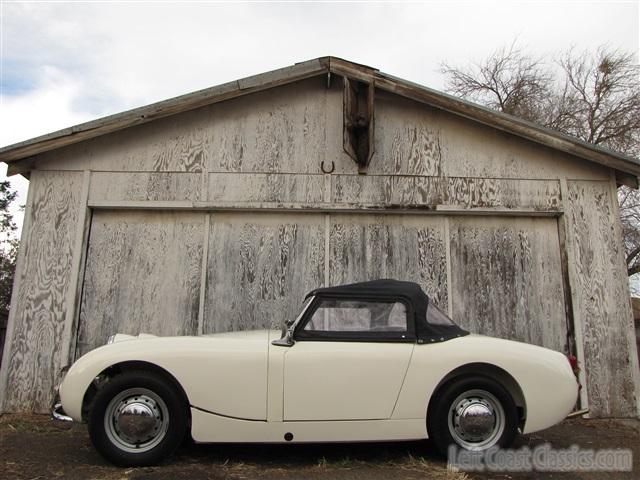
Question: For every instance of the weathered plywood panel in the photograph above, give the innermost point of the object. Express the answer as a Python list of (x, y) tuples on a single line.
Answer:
[(40, 303), (143, 275), (415, 139), (460, 192), (507, 279), (142, 186), (282, 130), (259, 187), (260, 267), (600, 299), (368, 247)]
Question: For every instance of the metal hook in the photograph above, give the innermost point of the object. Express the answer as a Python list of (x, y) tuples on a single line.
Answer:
[(333, 167)]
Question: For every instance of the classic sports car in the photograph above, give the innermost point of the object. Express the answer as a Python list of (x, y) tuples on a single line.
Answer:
[(366, 361)]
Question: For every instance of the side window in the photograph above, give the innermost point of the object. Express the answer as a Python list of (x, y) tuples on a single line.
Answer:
[(358, 316)]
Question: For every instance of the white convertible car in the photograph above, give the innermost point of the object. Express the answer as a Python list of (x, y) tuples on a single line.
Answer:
[(362, 362)]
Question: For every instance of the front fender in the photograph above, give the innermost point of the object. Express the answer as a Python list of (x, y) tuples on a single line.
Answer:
[(221, 374)]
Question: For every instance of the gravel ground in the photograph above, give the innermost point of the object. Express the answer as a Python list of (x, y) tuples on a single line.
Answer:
[(35, 447)]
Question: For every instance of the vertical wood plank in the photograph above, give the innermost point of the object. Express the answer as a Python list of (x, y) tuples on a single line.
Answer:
[(624, 280), (40, 303), (203, 277), (506, 280), (77, 273), (601, 301), (578, 335), (368, 247), (260, 267), (17, 286), (143, 275)]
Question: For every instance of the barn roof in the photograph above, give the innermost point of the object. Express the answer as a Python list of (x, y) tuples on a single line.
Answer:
[(19, 156)]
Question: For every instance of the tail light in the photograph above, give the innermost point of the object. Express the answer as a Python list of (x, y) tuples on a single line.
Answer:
[(573, 361)]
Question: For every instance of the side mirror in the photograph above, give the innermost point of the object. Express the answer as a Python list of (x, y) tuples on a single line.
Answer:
[(286, 340)]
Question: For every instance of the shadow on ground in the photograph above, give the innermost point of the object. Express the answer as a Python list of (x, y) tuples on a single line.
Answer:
[(33, 447)]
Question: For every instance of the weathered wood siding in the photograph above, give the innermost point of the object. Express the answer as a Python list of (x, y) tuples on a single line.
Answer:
[(259, 158), (365, 247), (33, 357), (601, 300), (507, 281), (260, 267), (142, 275)]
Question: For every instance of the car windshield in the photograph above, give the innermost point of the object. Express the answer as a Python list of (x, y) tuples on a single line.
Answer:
[(435, 316)]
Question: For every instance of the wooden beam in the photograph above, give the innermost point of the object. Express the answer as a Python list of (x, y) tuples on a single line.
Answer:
[(358, 126), (377, 208)]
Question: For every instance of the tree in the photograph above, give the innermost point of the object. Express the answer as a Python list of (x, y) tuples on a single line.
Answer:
[(8, 247), (592, 96)]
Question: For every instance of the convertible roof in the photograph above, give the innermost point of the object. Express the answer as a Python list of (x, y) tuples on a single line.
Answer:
[(386, 287), (412, 292)]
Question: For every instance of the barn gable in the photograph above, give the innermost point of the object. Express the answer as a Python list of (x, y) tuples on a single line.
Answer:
[(217, 211)]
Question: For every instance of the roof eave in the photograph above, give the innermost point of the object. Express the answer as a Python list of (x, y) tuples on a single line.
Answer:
[(18, 156)]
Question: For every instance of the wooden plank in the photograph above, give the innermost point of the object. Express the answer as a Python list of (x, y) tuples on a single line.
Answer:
[(40, 304), (626, 310), (576, 325), (203, 273), (17, 287), (261, 187), (506, 279), (260, 267), (602, 300), (377, 208), (441, 191), (368, 247), (145, 186), (143, 275), (76, 274)]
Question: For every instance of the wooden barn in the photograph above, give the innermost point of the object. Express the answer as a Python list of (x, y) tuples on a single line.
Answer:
[(220, 209)]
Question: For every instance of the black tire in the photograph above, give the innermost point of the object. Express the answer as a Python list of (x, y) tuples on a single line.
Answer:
[(442, 409), (173, 414)]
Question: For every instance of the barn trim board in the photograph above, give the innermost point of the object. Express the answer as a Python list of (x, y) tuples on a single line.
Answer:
[(397, 165)]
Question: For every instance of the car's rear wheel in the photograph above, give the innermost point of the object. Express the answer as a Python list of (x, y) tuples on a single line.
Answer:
[(472, 413), (138, 419)]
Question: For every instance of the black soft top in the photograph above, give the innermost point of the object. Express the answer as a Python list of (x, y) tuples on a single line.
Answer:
[(410, 292)]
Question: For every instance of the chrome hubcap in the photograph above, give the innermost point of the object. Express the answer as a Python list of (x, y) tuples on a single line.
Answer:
[(476, 420), (136, 420)]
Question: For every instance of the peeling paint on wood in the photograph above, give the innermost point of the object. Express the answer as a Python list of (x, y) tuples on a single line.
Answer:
[(260, 187), (600, 300), (40, 303), (462, 192), (365, 247), (145, 186), (506, 279), (143, 275), (260, 267)]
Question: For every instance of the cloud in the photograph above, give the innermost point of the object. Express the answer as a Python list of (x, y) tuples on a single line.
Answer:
[(64, 63)]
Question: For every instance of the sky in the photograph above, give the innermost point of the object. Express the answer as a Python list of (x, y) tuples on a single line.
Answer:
[(63, 63)]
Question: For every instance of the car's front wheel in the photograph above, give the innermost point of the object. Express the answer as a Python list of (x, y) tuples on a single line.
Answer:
[(137, 419), (473, 413)]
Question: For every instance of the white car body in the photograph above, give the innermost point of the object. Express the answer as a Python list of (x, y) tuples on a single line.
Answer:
[(242, 388)]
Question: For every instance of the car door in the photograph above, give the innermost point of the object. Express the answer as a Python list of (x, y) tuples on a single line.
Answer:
[(348, 361)]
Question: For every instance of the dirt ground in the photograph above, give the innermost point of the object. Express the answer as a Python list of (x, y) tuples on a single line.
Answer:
[(35, 447)]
